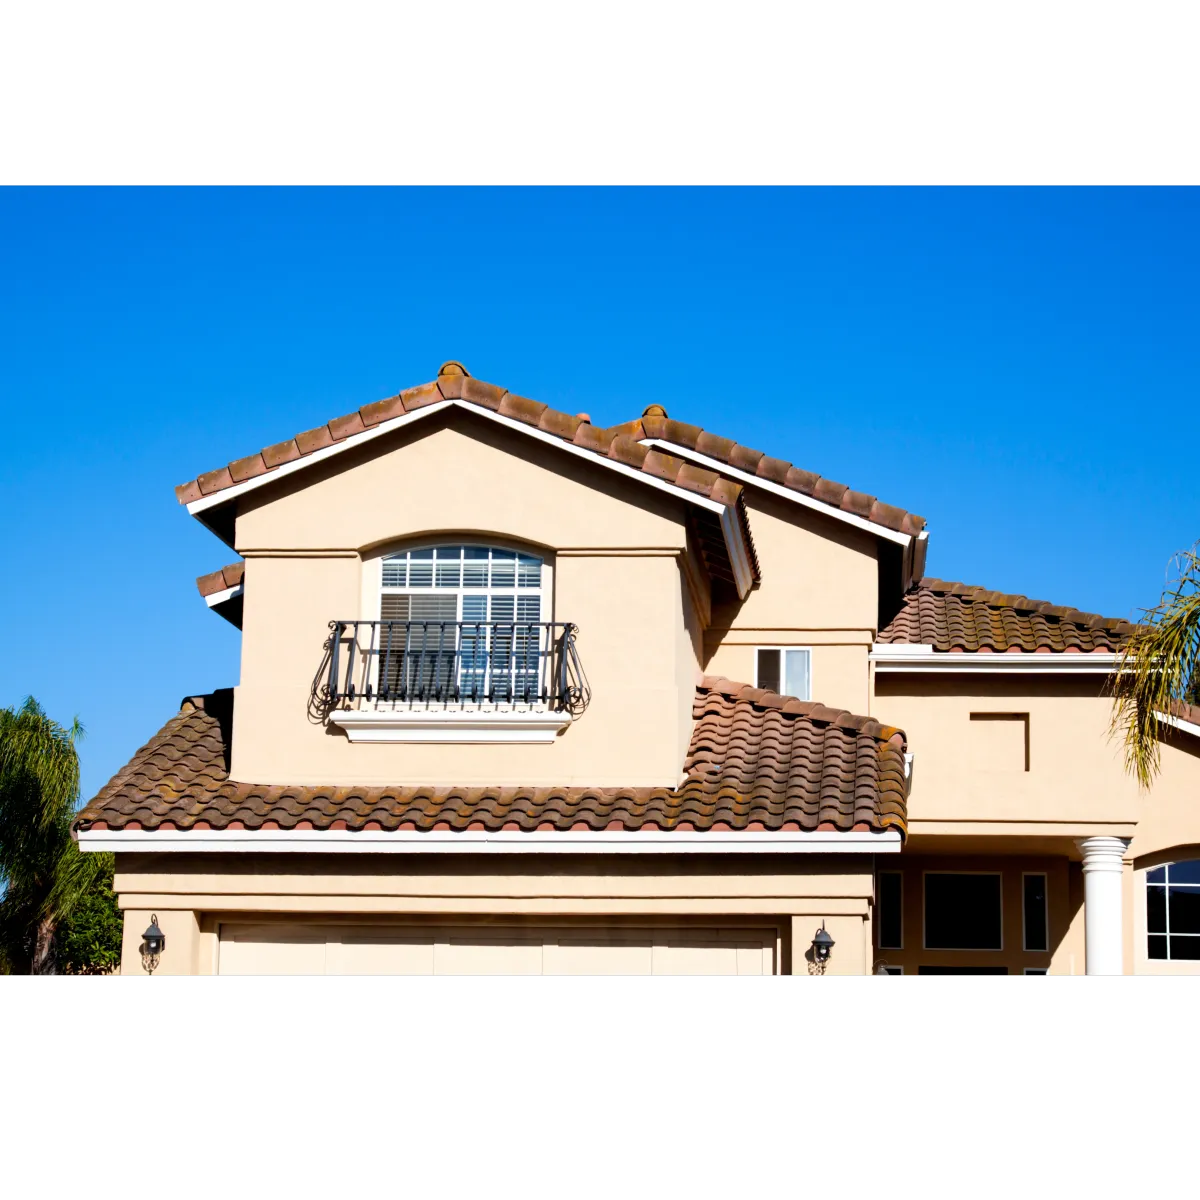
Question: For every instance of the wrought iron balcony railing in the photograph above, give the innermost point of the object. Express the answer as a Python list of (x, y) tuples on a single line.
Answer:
[(454, 664)]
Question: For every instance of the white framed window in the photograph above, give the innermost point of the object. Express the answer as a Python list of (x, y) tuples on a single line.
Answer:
[(963, 910), (891, 910), (1035, 911), (784, 669), (473, 616), (1173, 911)]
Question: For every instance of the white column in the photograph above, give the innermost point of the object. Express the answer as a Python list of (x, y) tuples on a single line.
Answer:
[(1103, 927)]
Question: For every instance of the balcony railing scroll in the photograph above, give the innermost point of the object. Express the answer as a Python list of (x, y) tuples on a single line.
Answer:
[(452, 664)]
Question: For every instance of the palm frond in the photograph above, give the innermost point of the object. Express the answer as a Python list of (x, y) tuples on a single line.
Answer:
[(1158, 668)]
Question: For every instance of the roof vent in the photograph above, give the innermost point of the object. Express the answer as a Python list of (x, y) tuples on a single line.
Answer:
[(453, 368), (655, 410)]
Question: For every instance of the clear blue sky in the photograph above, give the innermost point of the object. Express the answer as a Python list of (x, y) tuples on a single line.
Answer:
[(1018, 366)]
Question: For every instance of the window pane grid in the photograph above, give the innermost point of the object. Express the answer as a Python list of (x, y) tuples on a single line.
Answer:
[(1173, 911), (460, 585)]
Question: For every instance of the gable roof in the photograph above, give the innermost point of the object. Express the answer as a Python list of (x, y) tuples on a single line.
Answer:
[(757, 762), (726, 541), (621, 443), (958, 616)]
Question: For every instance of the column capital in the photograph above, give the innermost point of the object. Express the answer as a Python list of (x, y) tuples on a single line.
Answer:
[(1103, 853)]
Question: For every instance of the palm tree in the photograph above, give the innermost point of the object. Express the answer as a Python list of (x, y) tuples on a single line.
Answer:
[(1159, 668), (44, 874)]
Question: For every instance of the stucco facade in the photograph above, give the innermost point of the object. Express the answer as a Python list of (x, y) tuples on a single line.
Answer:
[(1011, 776)]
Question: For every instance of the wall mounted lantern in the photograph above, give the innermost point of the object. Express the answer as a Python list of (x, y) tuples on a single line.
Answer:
[(822, 946), (153, 944)]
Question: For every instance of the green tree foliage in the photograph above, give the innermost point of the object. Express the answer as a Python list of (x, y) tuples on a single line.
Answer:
[(51, 889), (1159, 668)]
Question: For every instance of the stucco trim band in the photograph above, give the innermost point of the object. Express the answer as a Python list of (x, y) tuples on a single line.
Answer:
[(890, 657), (342, 841), (459, 727)]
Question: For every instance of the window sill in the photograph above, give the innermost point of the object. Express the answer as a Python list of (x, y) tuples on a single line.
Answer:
[(460, 726)]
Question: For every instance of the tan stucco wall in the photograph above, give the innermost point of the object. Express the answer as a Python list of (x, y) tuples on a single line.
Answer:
[(1075, 772), (192, 894), (1169, 813), (616, 548)]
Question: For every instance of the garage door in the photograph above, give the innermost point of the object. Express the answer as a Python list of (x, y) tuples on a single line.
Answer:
[(277, 949)]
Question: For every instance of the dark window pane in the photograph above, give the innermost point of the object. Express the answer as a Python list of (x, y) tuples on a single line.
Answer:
[(1184, 872), (1035, 912), (889, 910), (1184, 903), (1156, 909), (1156, 947), (1037, 970), (1185, 947), (962, 970), (1158, 875), (768, 670), (962, 912)]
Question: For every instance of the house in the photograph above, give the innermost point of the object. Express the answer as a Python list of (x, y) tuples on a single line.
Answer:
[(519, 694)]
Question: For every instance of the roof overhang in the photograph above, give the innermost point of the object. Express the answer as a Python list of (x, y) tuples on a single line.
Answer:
[(891, 657), (341, 841), (209, 509), (1179, 723), (767, 485)]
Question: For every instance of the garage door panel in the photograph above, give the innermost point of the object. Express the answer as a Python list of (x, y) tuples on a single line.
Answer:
[(487, 956), (378, 954), (547, 949), (591, 956), (266, 951)]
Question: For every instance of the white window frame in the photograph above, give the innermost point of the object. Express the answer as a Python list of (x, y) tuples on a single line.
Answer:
[(1024, 916), (959, 949), (782, 667), (1166, 886), (467, 723), (900, 876)]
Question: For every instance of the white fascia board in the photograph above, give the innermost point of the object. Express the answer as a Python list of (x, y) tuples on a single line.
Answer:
[(394, 423), (1179, 723), (738, 552), (739, 556), (341, 841), (222, 597), (894, 657), (465, 727), (744, 477)]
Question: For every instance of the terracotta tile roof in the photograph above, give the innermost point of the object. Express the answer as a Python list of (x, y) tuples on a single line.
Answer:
[(655, 423), (1185, 712), (957, 616), (756, 761), (221, 580), (621, 442)]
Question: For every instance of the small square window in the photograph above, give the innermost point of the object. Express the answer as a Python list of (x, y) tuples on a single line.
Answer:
[(785, 670)]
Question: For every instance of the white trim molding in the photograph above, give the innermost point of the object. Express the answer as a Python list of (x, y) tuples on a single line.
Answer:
[(739, 554), (342, 841), (723, 468), (464, 727), (223, 597), (891, 657), (1179, 723)]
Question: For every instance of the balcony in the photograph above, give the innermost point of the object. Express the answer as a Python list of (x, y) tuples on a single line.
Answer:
[(451, 681)]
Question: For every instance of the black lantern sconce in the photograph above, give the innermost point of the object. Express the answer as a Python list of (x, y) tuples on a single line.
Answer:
[(153, 944), (822, 946)]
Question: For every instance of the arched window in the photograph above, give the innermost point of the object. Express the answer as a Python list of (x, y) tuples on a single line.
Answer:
[(462, 622), (1173, 911)]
